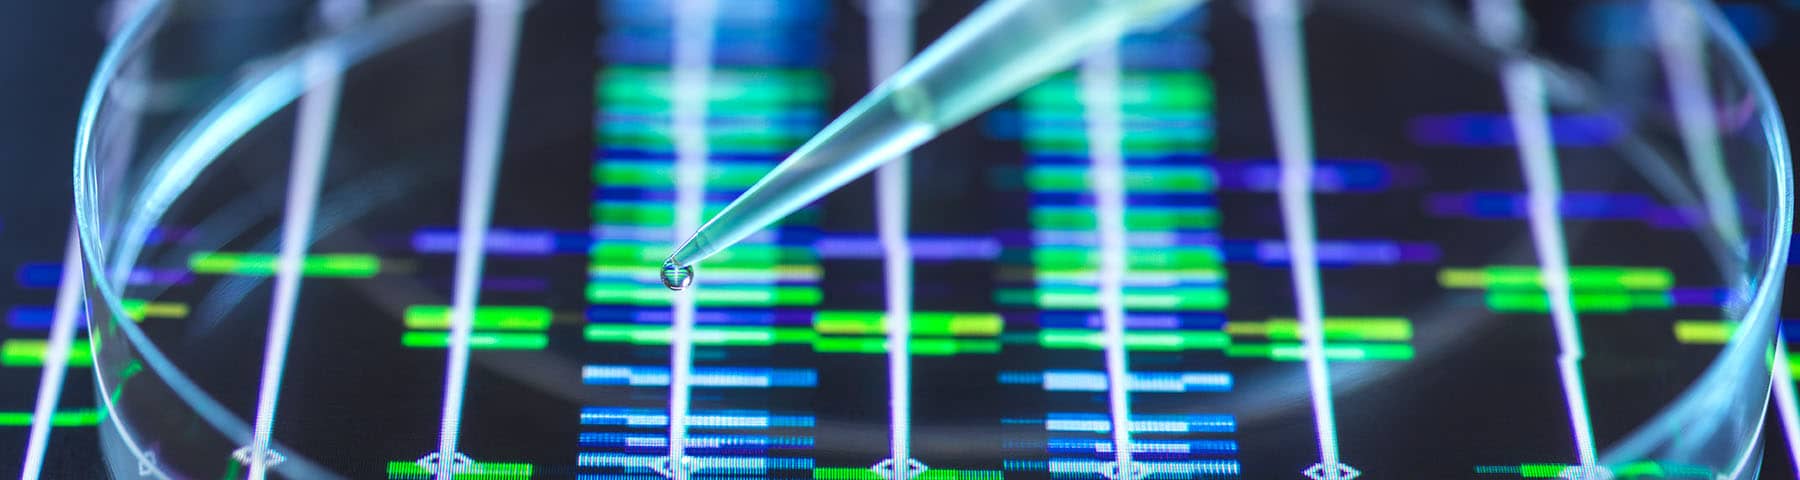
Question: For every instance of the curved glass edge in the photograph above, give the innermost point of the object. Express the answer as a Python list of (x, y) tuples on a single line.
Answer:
[(130, 38), (1738, 377), (278, 87), (260, 94), (1672, 435)]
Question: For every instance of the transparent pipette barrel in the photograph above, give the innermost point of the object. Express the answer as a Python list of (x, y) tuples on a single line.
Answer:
[(1003, 48)]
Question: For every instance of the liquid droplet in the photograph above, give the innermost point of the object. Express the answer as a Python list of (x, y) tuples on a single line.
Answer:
[(677, 277)]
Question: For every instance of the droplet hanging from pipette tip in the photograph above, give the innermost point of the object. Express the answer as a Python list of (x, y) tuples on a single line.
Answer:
[(677, 277)]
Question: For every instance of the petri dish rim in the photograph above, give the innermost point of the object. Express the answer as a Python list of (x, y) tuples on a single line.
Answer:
[(283, 85)]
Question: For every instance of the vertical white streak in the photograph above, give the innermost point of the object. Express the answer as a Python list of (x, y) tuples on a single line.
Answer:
[(1681, 37), (1100, 96), (1785, 405), (1784, 400), (496, 42), (891, 43), (1501, 22), (123, 134), (317, 112), (694, 33), (1284, 75), (56, 357)]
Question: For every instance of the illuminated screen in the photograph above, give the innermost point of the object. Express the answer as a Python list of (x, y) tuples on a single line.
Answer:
[(1007, 367)]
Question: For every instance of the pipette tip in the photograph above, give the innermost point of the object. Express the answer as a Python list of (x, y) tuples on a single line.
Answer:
[(696, 248)]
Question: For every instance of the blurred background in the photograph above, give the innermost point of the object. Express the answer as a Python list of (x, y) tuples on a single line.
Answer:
[(48, 50)]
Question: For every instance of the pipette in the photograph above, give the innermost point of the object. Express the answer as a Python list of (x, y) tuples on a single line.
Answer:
[(1001, 49)]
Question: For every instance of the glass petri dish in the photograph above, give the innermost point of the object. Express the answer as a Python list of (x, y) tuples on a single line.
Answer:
[(548, 134)]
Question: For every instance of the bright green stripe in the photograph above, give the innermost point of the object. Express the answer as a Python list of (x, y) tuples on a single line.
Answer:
[(1076, 298), (1385, 329), (728, 88), (1461, 278), (1065, 257), (1647, 279), (139, 309), (1292, 352), (1642, 469), (1541, 470), (86, 417), (1136, 219), (1145, 179), (134, 309), (1651, 300), (835, 473), (1336, 328), (1144, 340), (1516, 301), (1518, 277), (1138, 91), (478, 340), (29, 352), (1057, 179), (480, 471), (652, 255), (1580, 277), (338, 265), (703, 335), (648, 214), (1667, 470), (864, 345), (920, 347), (612, 293), (838, 322), (661, 174), (437, 317), (1497, 469), (1703, 332), (953, 346), (233, 470), (850, 323)]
